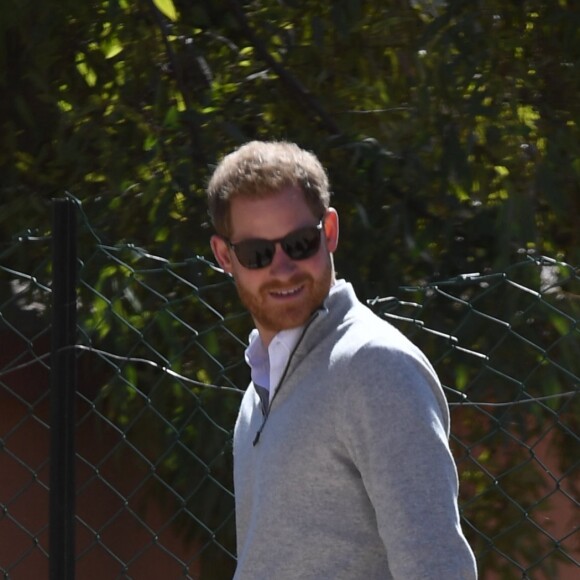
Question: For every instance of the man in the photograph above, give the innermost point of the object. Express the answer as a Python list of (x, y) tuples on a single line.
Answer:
[(342, 468)]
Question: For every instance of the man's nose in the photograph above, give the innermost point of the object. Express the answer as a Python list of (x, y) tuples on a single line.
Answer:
[(281, 263)]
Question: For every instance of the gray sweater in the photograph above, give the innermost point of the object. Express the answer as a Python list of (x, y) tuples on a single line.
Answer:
[(351, 476)]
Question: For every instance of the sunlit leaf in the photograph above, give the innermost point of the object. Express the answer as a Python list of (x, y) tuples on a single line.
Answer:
[(167, 8), (88, 74), (112, 47)]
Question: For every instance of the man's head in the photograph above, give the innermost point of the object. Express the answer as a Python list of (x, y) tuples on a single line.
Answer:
[(275, 232), (259, 168)]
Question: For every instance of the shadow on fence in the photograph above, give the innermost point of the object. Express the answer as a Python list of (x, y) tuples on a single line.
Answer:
[(158, 351)]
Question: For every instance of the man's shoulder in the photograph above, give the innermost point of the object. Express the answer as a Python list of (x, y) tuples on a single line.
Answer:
[(352, 331), (369, 329)]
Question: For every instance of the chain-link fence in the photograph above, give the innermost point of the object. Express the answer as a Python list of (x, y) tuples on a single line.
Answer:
[(117, 407)]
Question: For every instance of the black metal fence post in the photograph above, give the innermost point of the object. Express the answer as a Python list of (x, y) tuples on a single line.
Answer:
[(63, 387)]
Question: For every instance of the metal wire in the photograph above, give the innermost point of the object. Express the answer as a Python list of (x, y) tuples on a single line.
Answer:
[(160, 364)]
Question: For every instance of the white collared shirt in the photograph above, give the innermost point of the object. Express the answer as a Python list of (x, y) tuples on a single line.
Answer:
[(268, 365)]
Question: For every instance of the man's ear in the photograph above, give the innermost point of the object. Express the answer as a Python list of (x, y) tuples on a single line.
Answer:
[(331, 229), (222, 254)]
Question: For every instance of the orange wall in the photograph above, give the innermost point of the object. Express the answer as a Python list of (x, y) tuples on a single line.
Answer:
[(100, 511), (24, 483)]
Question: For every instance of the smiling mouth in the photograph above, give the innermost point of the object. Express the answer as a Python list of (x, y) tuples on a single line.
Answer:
[(289, 293)]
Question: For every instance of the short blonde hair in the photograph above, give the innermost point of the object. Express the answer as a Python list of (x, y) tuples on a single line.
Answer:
[(262, 168)]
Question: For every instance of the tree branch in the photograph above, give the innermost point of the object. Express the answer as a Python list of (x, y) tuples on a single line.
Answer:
[(292, 83), (194, 129)]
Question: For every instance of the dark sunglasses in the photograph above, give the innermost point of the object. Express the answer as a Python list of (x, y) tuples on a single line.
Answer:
[(298, 245)]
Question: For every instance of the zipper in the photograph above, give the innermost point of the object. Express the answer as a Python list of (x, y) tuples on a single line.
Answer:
[(286, 368)]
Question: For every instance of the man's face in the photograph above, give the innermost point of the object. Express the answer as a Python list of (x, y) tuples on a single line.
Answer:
[(283, 294)]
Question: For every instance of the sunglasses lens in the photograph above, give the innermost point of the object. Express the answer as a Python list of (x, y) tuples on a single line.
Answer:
[(255, 254), (298, 245), (302, 244)]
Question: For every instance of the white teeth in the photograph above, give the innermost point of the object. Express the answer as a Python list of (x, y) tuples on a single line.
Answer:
[(287, 292)]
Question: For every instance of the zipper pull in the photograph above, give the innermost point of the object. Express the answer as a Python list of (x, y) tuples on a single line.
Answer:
[(259, 433), (257, 437)]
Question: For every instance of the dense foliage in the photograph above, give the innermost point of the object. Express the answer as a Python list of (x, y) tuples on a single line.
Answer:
[(449, 128)]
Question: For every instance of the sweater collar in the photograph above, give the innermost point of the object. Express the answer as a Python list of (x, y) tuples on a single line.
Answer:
[(326, 319)]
